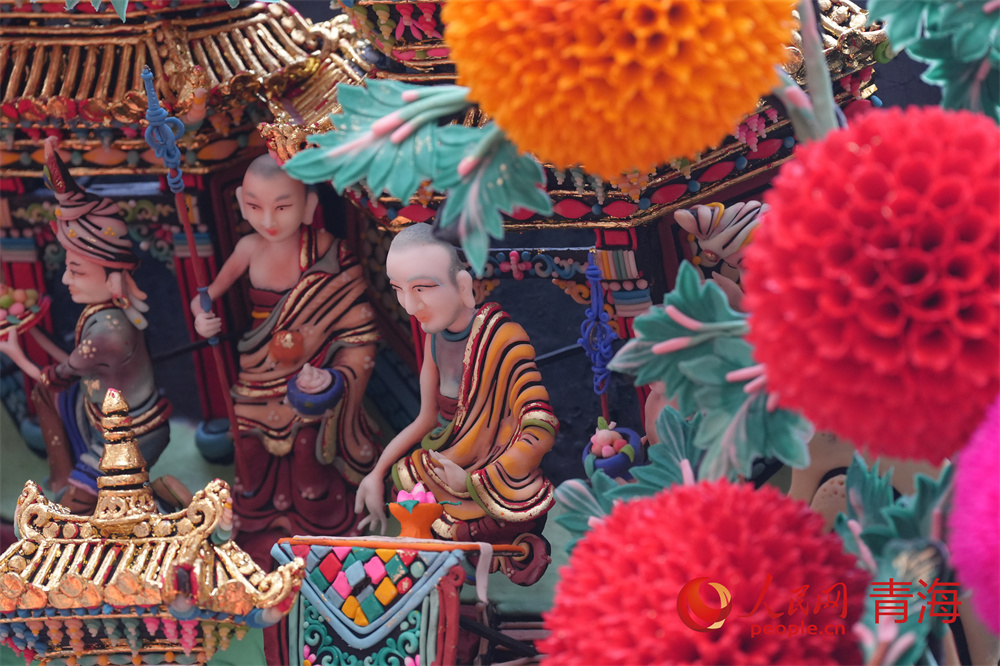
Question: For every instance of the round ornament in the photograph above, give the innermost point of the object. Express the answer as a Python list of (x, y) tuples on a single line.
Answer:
[(620, 85)]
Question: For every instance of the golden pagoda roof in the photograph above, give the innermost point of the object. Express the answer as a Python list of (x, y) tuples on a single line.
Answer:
[(849, 46), (127, 560), (78, 75)]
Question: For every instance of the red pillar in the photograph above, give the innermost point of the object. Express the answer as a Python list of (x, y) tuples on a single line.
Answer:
[(213, 396)]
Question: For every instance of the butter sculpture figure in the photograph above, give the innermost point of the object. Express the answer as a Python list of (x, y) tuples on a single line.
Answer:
[(109, 348), (304, 366), (485, 421)]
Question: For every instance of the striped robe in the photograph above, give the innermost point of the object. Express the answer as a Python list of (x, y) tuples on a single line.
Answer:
[(502, 428), (329, 308)]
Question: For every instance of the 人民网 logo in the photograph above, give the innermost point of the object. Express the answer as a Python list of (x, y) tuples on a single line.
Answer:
[(696, 613)]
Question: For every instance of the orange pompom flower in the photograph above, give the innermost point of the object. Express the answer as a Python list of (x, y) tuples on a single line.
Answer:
[(618, 85)]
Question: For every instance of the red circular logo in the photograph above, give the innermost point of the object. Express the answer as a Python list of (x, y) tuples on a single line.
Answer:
[(697, 614)]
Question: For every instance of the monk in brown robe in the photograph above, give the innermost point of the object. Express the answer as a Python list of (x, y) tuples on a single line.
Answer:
[(305, 438)]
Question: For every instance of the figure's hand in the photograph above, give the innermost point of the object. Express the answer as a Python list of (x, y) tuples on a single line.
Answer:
[(453, 475), (12, 348), (207, 324), (196, 305), (371, 497)]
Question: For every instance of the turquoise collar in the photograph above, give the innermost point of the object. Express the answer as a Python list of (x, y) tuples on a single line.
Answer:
[(455, 337)]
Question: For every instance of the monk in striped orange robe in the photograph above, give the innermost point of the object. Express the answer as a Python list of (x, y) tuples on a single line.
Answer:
[(485, 421)]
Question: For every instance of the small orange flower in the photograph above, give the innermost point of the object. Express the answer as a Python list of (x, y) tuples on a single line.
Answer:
[(617, 85)]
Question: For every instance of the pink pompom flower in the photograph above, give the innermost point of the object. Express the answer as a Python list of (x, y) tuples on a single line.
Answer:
[(974, 521)]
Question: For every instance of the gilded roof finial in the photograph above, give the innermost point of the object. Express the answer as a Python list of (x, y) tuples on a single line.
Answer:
[(161, 584), (123, 496)]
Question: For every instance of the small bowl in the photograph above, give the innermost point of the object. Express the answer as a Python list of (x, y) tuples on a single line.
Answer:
[(316, 404), (618, 465)]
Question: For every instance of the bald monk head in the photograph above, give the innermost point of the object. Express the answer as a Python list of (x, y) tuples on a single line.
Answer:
[(274, 203)]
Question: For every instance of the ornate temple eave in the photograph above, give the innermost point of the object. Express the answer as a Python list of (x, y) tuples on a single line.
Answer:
[(666, 191), (848, 42), (216, 145), (25, 9), (276, 38), (179, 574), (69, 562), (81, 80), (309, 111)]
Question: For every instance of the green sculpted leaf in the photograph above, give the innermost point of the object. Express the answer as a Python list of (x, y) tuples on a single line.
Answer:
[(582, 507), (120, 7), (738, 427), (389, 139), (708, 367), (904, 19), (584, 504), (676, 437), (913, 516), (959, 41), (636, 358), (905, 562), (604, 486), (734, 439), (781, 434), (666, 459), (703, 303), (868, 493), (881, 518), (497, 180), (384, 137)]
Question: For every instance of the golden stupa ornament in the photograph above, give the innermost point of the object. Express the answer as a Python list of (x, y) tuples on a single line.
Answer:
[(129, 584)]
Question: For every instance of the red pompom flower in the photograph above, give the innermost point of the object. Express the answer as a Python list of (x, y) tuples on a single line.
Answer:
[(873, 282), (616, 601)]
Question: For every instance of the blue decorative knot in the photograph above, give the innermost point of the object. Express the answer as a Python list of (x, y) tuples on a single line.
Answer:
[(162, 134), (596, 334)]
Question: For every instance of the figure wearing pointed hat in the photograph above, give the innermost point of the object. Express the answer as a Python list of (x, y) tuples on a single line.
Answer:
[(109, 350)]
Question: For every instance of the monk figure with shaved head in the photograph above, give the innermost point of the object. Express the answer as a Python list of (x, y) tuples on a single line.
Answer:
[(305, 439), (485, 421)]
